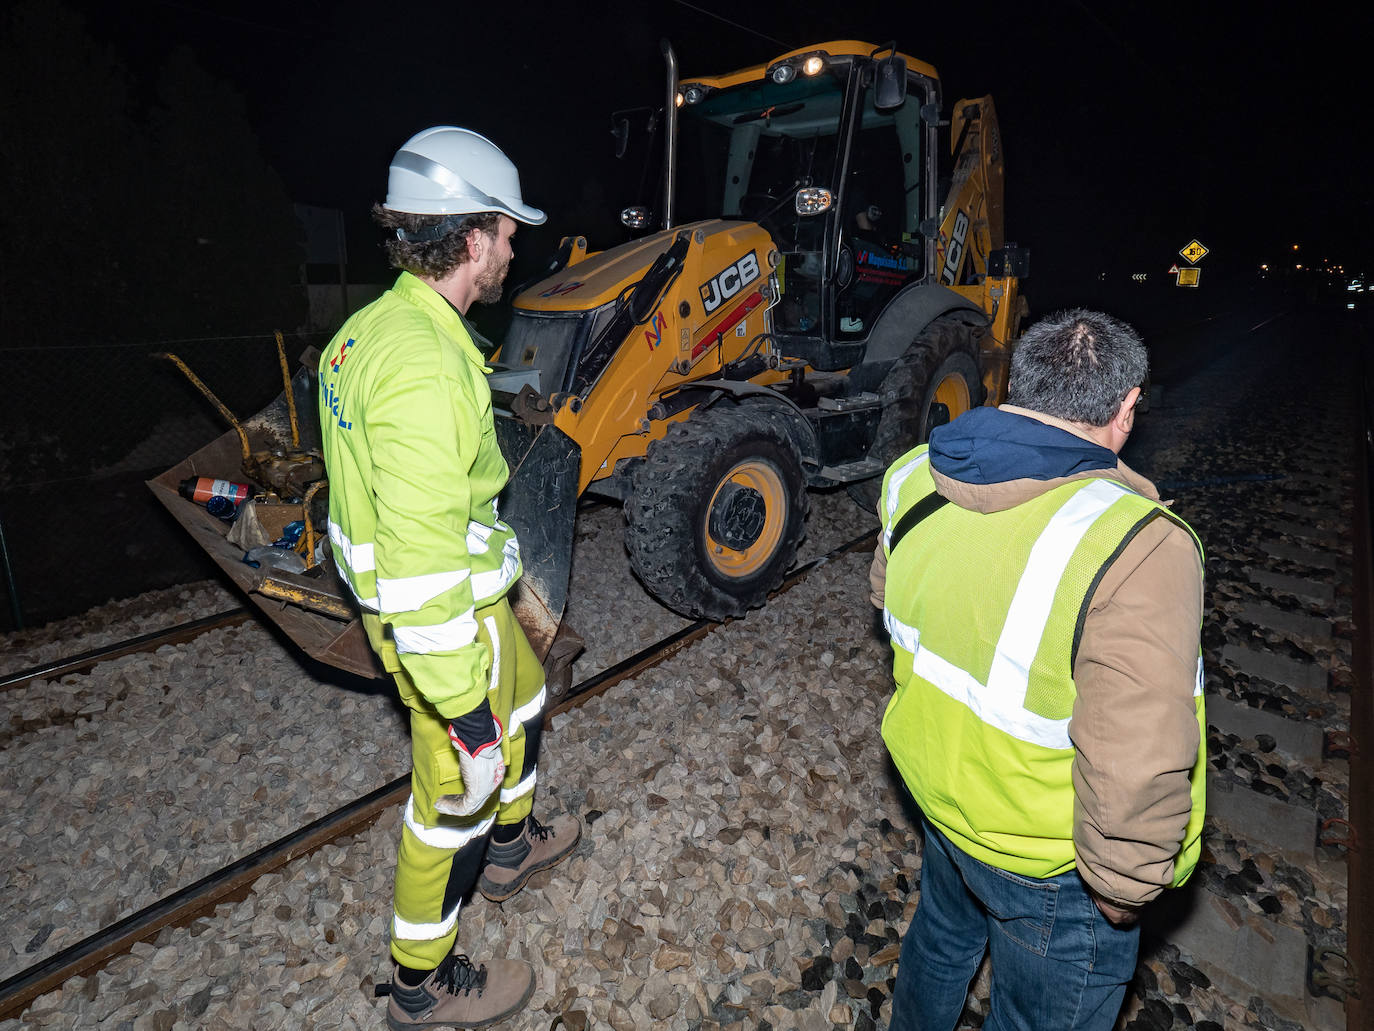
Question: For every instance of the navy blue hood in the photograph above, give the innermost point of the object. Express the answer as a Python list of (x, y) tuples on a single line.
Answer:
[(988, 445)]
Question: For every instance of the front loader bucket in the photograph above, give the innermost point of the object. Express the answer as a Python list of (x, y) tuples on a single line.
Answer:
[(540, 504), (315, 610)]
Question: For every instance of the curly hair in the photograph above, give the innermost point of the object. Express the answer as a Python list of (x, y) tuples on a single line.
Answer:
[(432, 258)]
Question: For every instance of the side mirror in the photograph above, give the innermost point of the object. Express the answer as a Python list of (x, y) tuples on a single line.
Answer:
[(636, 217), (889, 88)]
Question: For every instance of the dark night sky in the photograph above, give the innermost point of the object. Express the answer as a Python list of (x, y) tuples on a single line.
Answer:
[(1130, 127)]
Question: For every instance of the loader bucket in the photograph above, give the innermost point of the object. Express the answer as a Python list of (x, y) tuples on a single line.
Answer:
[(540, 504), (315, 610)]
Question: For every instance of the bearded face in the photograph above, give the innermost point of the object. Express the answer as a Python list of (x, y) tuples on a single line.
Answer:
[(497, 253), (491, 278)]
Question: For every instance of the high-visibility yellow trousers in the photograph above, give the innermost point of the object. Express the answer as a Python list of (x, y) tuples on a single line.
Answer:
[(441, 855)]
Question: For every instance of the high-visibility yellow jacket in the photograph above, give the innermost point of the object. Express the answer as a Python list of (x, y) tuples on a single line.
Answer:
[(414, 471), (985, 610)]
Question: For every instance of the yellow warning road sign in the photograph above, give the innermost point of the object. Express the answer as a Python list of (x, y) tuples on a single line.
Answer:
[(1194, 252), (1189, 276)]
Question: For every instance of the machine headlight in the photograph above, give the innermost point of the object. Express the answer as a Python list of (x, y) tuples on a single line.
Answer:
[(813, 65), (814, 200), (783, 74), (694, 94)]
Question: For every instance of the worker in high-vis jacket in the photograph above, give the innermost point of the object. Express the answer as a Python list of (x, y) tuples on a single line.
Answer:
[(1044, 610), (414, 473)]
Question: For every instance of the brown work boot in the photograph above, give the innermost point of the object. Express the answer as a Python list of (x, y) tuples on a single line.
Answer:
[(457, 994), (539, 847)]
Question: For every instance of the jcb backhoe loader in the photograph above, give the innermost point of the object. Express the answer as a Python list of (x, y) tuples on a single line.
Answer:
[(827, 283)]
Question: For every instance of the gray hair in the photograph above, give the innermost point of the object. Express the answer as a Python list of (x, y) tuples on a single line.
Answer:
[(1077, 365)]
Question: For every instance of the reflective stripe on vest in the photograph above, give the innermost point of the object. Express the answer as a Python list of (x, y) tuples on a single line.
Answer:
[(894, 489), (1000, 702)]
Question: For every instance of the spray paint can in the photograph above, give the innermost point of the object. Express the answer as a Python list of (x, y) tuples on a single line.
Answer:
[(201, 489)]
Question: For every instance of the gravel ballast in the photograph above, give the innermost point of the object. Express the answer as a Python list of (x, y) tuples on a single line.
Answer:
[(748, 859)]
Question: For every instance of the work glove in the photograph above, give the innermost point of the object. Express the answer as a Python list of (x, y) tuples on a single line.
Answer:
[(477, 739)]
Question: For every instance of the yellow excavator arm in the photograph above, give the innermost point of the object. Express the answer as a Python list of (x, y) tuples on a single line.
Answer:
[(973, 257)]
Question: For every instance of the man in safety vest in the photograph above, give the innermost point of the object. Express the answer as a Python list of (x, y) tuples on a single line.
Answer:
[(414, 473), (1045, 611)]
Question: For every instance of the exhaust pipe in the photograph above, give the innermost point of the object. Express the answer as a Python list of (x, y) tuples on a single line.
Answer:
[(669, 135)]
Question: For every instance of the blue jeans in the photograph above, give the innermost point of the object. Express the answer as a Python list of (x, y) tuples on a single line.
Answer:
[(1057, 962)]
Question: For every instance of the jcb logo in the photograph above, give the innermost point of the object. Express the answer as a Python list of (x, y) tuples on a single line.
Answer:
[(955, 253), (736, 277)]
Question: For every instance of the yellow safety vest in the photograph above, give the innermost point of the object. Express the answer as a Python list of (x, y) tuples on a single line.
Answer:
[(979, 723)]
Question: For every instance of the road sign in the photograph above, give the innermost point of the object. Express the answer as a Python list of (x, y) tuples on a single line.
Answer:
[(1189, 276), (1194, 252), (1173, 270)]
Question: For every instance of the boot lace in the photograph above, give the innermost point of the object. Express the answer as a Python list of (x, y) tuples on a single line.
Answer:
[(457, 974), (535, 829)]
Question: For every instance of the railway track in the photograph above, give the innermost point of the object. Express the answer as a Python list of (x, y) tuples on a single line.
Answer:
[(88, 660), (233, 881)]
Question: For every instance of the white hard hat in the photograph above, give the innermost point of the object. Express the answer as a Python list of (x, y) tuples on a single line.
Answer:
[(450, 171)]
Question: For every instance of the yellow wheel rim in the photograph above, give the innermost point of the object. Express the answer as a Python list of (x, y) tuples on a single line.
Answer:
[(952, 392), (735, 503)]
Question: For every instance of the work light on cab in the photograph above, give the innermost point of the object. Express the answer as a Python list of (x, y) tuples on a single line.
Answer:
[(814, 200)]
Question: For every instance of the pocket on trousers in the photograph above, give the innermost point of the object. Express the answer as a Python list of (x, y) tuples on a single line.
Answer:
[(1023, 907), (446, 776), (506, 749)]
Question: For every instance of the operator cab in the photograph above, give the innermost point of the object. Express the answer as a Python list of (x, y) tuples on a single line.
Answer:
[(805, 149)]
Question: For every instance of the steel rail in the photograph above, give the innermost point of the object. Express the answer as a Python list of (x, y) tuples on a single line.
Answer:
[(198, 899), (144, 643), (1359, 943), (233, 882)]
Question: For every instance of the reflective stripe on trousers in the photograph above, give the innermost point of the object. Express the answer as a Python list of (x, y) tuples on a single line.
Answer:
[(440, 856)]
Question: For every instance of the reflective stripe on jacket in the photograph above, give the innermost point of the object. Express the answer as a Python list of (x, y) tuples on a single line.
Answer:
[(985, 610), (414, 472)]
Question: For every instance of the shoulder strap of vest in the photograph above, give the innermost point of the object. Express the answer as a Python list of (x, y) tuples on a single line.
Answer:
[(1159, 512), (927, 506)]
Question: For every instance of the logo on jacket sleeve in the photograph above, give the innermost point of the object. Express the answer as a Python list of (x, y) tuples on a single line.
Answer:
[(336, 362), (328, 395)]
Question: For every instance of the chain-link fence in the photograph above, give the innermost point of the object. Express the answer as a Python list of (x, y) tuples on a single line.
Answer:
[(81, 429)]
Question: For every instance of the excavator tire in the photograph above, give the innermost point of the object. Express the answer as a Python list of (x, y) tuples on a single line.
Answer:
[(940, 366), (716, 511)]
